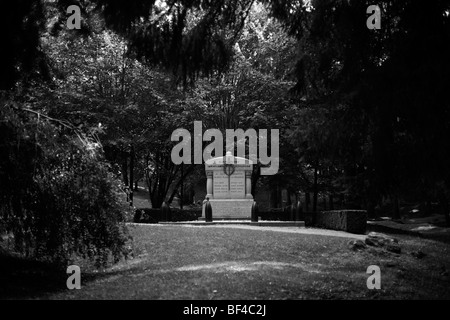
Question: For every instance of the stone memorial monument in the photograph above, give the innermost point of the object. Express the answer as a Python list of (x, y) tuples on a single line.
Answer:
[(229, 187)]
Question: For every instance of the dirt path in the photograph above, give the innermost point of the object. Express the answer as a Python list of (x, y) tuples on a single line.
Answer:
[(300, 230)]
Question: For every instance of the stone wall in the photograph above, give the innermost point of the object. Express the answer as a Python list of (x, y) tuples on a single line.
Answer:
[(354, 221)]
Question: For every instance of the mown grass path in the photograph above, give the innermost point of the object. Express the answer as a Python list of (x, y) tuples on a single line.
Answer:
[(178, 262)]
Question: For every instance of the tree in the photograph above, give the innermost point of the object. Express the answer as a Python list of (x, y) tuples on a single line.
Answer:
[(58, 197), (67, 201), (254, 93), (22, 58), (385, 85)]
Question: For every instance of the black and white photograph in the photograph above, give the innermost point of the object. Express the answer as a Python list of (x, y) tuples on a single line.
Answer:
[(222, 156)]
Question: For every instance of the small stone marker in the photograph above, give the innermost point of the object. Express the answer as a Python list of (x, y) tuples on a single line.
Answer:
[(255, 212), (208, 211), (165, 212)]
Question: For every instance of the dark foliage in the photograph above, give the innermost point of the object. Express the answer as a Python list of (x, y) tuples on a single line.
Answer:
[(58, 198), (21, 26)]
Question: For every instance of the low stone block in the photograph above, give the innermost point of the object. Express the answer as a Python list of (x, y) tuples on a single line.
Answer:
[(356, 245), (231, 208), (354, 221), (376, 239), (418, 254), (395, 248)]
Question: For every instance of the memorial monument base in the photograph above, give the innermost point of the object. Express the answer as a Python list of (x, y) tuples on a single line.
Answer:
[(229, 209)]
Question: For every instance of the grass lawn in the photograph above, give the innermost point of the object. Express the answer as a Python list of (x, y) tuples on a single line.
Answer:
[(176, 262)]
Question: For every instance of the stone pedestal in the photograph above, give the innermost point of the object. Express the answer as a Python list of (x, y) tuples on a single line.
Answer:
[(230, 209), (209, 184)]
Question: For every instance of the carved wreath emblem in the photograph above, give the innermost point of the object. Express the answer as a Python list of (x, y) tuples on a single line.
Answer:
[(228, 169)]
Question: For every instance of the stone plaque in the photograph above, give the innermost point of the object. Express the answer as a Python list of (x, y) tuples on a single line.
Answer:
[(229, 187), (237, 185), (220, 185), (232, 208)]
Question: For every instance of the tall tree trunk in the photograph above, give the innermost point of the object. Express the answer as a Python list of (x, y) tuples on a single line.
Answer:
[(428, 207), (315, 190), (179, 184), (122, 78), (330, 200), (256, 174), (307, 201), (273, 197), (279, 196), (125, 170), (447, 218), (443, 204), (182, 188), (396, 209), (147, 178), (131, 173), (288, 200), (371, 209), (157, 197)]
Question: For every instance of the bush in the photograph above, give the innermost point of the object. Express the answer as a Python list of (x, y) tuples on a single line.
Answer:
[(58, 196), (275, 214)]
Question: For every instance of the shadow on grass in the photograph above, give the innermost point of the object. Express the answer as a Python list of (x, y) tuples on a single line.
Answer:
[(23, 278)]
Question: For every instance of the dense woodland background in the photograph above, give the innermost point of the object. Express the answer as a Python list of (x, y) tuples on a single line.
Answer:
[(363, 114)]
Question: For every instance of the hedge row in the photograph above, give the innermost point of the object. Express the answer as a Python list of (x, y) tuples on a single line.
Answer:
[(354, 221), (156, 215)]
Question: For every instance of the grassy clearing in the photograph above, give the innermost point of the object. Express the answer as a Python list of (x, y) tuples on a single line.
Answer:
[(174, 262), (141, 198)]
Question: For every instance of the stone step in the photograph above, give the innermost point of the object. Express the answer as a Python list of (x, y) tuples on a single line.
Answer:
[(202, 222)]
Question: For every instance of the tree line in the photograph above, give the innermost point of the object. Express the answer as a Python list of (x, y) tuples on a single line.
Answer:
[(362, 113)]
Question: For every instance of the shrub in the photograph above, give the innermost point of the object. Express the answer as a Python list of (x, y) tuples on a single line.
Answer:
[(58, 196)]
